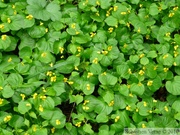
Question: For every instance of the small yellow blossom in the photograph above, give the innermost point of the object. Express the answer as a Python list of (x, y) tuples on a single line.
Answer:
[(51, 64), (155, 67), (41, 23), (1, 26), (78, 54), (15, 12), (128, 25), (129, 71), (150, 83), (176, 53), (95, 61), (129, 86), (43, 97), (141, 72), (10, 59), (104, 73), (140, 5), (73, 25), (79, 49), (175, 64), (1, 101), (1, 88), (13, 6), (165, 56), (141, 55), (88, 87), (144, 104), (110, 30), (7, 118), (52, 130), (168, 34), (131, 95), (166, 69), (22, 96), (89, 74), (107, 13), (78, 124), (76, 68), (35, 95), (97, 13), (29, 17), (176, 47), (77, 32), (8, 20), (58, 122), (70, 82), (44, 54), (123, 13), (92, 34), (53, 79), (61, 49), (111, 103), (85, 108), (34, 128), (117, 118), (49, 73), (115, 8), (166, 108), (139, 30), (3, 37), (137, 109), (147, 36), (128, 107), (97, 2), (125, 45), (171, 15), (65, 79), (139, 84), (150, 111), (175, 8), (46, 30), (85, 102), (109, 48), (41, 109), (143, 125), (105, 52), (62, 57)]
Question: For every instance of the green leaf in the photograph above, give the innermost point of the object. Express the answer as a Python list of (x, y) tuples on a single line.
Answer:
[(173, 86), (156, 84), (177, 116), (37, 31), (17, 122), (7, 91), (166, 59), (59, 88), (107, 79), (137, 89), (134, 1), (108, 96), (134, 58), (144, 61), (88, 128), (122, 70), (95, 69), (143, 110), (5, 42), (176, 106), (41, 131), (153, 9), (88, 88), (15, 79), (111, 21), (24, 107), (119, 102), (102, 118), (46, 57), (76, 98)]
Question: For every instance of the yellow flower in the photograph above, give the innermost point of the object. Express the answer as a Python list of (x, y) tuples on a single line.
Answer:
[(176, 53), (125, 45), (143, 125), (70, 82), (3, 37), (76, 68), (139, 30), (92, 34), (168, 34), (155, 67), (77, 32), (10, 59), (155, 101), (73, 25), (137, 109), (44, 54), (85, 108), (107, 13), (46, 30), (13, 6), (144, 104), (1, 88), (110, 30), (61, 49), (104, 52), (8, 20), (175, 8), (29, 17), (85, 102), (49, 73), (175, 64), (131, 95), (34, 128), (104, 73), (166, 108), (65, 79), (123, 13), (41, 109), (97, 13), (111, 103), (109, 48), (115, 8), (176, 47), (165, 56), (150, 111), (1, 101), (171, 14), (128, 107), (51, 64), (15, 12), (117, 118), (53, 79), (35, 95), (129, 71), (140, 5), (89, 74), (141, 55), (78, 124), (22, 96), (88, 87), (7, 118), (128, 25), (141, 72), (166, 69), (1, 26), (41, 23), (149, 83), (79, 49), (58, 122), (43, 97), (52, 130), (129, 86), (95, 60), (97, 2)]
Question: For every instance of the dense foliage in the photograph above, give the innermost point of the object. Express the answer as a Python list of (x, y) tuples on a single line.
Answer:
[(88, 66)]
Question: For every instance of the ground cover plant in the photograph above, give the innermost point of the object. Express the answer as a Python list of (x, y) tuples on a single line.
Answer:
[(79, 67)]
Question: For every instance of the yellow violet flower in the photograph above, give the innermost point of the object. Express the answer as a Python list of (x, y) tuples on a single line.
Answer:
[(166, 108), (35, 95), (44, 54), (53, 79), (1, 26), (165, 56), (139, 30), (41, 109), (141, 72), (95, 61), (144, 104), (97, 2), (104, 52), (28, 104), (1, 101), (10, 59), (29, 17), (61, 49), (52, 130), (7, 118), (65, 79), (171, 15), (110, 30), (117, 118), (92, 34), (78, 124), (8, 20), (166, 69), (141, 55), (137, 109), (49, 73), (89, 74), (85, 102), (70, 82), (104, 73), (175, 8), (131, 95), (41, 23), (88, 87), (85, 108), (143, 125), (128, 107), (79, 49), (123, 13), (149, 83), (111, 103), (23, 96), (58, 122), (109, 48), (1, 88), (73, 25), (115, 8), (168, 34), (176, 47), (13, 6), (3, 37), (46, 30), (43, 97)]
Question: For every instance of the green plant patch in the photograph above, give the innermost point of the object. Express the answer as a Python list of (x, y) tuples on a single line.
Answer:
[(88, 67)]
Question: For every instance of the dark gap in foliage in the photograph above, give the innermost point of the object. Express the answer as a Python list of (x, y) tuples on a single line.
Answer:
[(161, 94)]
